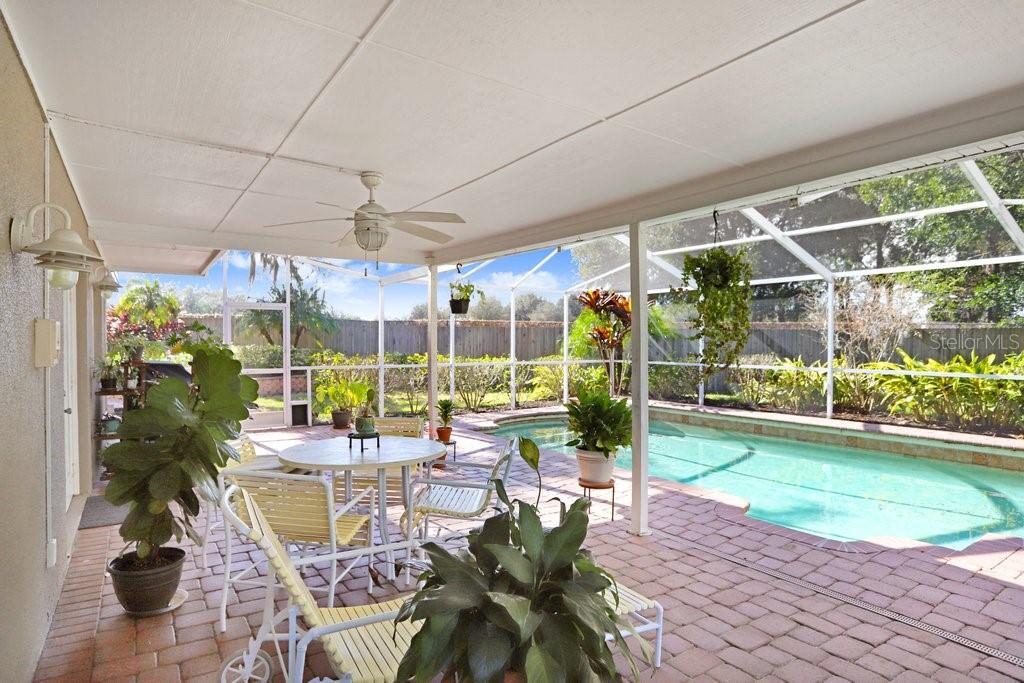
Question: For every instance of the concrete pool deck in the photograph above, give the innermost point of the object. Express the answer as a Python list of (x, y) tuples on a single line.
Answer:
[(744, 600)]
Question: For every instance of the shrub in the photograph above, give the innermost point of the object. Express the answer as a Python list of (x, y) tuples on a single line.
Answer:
[(752, 387), (794, 387), (474, 382), (259, 355), (955, 401), (672, 382)]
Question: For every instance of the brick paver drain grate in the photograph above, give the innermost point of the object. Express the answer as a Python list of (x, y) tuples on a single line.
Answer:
[(889, 614)]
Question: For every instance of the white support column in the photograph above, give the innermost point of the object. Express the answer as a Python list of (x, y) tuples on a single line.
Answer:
[(565, 347), (225, 312), (701, 385), (451, 358), (432, 351), (380, 349), (286, 343), (638, 381), (830, 349), (512, 348)]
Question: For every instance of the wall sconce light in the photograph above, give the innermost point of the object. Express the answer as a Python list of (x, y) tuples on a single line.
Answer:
[(107, 284), (63, 254)]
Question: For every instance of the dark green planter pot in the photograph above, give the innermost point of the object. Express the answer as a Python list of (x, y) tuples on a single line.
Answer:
[(146, 590), (364, 425)]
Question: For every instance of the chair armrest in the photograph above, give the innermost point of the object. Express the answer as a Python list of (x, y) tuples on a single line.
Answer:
[(367, 492), (454, 483), (320, 631)]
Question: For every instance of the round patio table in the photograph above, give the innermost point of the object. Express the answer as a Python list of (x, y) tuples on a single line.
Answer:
[(336, 455)]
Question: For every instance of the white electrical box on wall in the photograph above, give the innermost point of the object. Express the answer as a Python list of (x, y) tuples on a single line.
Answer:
[(47, 342)]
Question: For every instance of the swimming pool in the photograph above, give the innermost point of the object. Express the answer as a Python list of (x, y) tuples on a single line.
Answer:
[(845, 494)]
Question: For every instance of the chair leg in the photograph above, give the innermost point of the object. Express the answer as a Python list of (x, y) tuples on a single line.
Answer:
[(208, 509), (657, 639), (227, 580), (334, 582)]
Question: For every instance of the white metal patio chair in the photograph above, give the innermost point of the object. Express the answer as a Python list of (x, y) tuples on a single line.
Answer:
[(301, 507), (395, 494), (458, 498), (362, 644), (248, 459), (635, 607)]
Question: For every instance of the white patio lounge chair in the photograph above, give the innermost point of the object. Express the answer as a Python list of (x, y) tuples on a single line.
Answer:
[(634, 606), (301, 508), (358, 641)]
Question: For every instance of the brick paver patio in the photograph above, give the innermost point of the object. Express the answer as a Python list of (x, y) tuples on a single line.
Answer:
[(739, 596)]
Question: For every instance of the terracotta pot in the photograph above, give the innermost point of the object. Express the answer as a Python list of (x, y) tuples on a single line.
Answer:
[(459, 306), (341, 418), (146, 590), (444, 434), (594, 466)]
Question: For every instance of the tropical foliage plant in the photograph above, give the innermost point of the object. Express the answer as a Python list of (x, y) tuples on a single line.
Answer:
[(174, 446), (341, 394), (956, 401), (461, 290), (518, 599), (720, 297), (599, 423), (310, 313)]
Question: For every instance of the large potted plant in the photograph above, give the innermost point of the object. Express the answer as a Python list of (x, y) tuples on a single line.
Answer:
[(445, 410), (521, 603), (461, 293), (342, 396), (600, 424), (168, 451), (364, 423)]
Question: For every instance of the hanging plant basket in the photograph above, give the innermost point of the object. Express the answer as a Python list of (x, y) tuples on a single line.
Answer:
[(721, 299), (459, 306)]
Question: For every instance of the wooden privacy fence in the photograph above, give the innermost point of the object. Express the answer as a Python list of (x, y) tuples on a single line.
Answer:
[(534, 339), (472, 337)]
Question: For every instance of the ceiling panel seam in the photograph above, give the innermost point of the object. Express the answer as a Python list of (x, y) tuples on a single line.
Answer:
[(345, 62), (651, 98)]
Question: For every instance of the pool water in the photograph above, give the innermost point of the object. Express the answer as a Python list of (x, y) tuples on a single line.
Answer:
[(841, 493)]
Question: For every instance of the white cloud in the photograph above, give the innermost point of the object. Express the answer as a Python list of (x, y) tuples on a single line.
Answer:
[(542, 280)]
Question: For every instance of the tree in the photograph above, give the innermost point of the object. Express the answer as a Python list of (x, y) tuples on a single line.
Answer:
[(309, 313), (992, 293), (145, 310)]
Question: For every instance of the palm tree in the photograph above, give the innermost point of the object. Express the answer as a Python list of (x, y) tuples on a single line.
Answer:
[(270, 263), (309, 313)]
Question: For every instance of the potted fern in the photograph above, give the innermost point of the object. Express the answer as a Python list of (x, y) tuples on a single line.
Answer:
[(168, 455), (600, 425), (461, 293), (521, 603)]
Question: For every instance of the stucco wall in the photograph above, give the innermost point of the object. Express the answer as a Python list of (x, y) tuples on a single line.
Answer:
[(28, 589)]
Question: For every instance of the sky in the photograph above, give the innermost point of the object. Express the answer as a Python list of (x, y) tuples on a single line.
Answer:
[(356, 297)]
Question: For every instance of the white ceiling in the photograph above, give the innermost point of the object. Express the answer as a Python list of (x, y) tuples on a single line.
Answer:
[(198, 123)]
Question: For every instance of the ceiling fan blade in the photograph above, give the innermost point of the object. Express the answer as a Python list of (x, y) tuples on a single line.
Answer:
[(422, 231), (428, 216), (315, 220), (346, 239)]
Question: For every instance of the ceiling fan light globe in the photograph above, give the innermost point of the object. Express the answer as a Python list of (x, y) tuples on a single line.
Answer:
[(371, 239)]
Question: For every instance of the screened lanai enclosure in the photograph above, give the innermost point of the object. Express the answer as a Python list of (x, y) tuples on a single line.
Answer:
[(895, 298)]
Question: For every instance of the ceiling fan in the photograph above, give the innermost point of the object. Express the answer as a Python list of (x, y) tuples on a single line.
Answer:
[(372, 222)]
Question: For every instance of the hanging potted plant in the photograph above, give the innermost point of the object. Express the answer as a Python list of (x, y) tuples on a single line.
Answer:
[(445, 410), (342, 397), (720, 297), (600, 425), (461, 293), (521, 603), (364, 423), (170, 451)]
